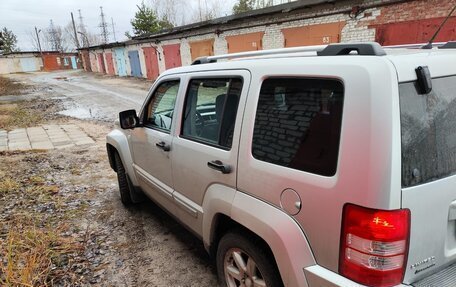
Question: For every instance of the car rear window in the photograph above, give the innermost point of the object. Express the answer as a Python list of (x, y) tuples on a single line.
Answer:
[(298, 124), (428, 129)]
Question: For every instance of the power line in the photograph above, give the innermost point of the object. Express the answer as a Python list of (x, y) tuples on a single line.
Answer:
[(104, 27), (53, 37), (82, 30)]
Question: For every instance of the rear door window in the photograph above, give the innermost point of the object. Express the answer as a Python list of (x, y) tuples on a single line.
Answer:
[(428, 129), (298, 124)]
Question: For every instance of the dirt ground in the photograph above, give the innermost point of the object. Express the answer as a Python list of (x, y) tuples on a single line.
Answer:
[(61, 220)]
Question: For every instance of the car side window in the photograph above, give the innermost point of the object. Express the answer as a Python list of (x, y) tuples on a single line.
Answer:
[(210, 110), (298, 124), (159, 112)]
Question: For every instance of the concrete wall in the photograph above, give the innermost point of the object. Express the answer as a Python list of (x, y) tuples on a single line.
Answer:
[(358, 28), (20, 64)]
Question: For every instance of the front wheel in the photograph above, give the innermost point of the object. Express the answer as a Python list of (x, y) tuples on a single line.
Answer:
[(124, 190), (241, 261)]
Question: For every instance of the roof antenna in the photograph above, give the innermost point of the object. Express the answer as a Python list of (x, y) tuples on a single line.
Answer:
[(429, 44)]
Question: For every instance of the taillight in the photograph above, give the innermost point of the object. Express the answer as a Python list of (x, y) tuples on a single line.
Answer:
[(374, 245)]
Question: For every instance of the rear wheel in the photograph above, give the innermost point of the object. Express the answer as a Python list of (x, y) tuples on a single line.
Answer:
[(241, 261), (124, 190)]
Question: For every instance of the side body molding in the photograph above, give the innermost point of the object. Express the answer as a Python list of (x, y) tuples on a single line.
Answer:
[(119, 141)]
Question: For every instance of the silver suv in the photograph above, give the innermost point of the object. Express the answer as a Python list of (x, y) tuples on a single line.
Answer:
[(311, 166)]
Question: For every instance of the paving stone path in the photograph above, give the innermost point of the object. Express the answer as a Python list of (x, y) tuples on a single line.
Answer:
[(43, 137)]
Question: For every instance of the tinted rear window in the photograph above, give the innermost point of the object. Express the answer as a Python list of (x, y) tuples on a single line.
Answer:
[(428, 128), (298, 124)]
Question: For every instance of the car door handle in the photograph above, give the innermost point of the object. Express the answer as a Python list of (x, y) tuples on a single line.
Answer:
[(163, 146), (220, 166)]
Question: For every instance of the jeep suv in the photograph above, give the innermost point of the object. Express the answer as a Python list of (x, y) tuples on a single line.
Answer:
[(311, 166)]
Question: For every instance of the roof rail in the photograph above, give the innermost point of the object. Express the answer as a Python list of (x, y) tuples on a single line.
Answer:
[(203, 60), (212, 59), (414, 46), (449, 45), (362, 49)]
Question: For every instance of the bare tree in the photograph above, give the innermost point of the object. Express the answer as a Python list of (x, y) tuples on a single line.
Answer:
[(93, 39), (69, 38), (169, 10), (31, 35), (182, 12), (208, 9), (54, 38)]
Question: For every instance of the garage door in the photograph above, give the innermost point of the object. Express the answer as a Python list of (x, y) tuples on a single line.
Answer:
[(28, 65), (172, 56), (110, 64), (411, 32), (245, 42), (121, 68), (202, 48), (86, 61), (93, 62), (150, 56), (135, 64), (320, 34), (101, 63)]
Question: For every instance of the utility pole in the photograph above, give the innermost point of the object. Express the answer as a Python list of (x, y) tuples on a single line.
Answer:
[(104, 27), (39, 43), (74, 30), (113, 30)]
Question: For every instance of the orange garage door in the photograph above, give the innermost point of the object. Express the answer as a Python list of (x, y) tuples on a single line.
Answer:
[(419, 31), (202, 48), (245, 42), (320, 34)]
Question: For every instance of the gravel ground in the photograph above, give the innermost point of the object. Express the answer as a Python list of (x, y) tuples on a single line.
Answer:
[(136, 246)]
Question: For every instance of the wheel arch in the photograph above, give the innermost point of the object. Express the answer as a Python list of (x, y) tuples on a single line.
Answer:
[(111, 150), (116, 141), (281, 235)]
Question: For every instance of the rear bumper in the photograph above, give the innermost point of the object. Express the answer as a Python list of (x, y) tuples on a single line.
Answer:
[(443, 278), (318, 276)]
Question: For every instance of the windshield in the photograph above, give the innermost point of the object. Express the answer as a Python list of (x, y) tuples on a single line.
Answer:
[(428, 128)]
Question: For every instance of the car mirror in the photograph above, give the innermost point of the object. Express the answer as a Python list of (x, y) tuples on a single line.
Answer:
[(128, 119)]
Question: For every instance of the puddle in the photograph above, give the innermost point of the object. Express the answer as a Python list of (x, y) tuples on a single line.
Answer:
[(80, 113)]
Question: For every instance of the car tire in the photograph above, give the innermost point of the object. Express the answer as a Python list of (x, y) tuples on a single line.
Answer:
[(242, 260), (124, 190)]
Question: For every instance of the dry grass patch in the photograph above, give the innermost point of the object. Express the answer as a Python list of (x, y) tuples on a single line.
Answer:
[(8, 185), (10, 87), (18, 116), (38, 244), (34, 254), (37, 247)]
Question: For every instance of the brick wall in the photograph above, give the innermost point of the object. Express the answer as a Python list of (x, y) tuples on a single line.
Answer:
[(278, 132), (356, 29), (413, 10)]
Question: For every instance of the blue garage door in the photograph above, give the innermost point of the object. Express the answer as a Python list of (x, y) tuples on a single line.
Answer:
[(28, 65), (121, 69), (133, 56), (74, 64)]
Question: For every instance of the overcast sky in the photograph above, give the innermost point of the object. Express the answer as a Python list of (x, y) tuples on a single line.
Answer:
[(21, 16)]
